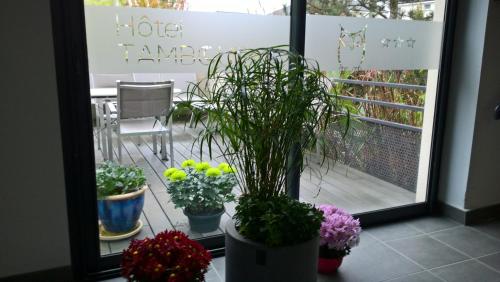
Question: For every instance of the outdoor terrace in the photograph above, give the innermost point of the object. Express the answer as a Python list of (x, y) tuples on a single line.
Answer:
[(344, 187)]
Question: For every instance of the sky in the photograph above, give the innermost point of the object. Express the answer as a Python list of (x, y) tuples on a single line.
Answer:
[(239, 6)]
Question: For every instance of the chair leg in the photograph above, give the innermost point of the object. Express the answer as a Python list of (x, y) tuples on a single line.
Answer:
[(171, 141), (119, 144), (163, 146), (139, 140), (155, 146), (98, 124), (109, 138)]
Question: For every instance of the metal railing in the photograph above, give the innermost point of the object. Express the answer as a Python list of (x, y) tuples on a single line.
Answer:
[(398, 106)]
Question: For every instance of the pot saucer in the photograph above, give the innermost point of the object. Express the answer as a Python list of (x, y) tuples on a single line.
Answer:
[(105, 235)]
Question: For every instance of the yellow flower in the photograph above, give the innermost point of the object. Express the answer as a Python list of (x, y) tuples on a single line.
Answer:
[(202, 166), (229, 169), (223, 165), (213, 172), (169, 171), (188, 163), (178, 176)]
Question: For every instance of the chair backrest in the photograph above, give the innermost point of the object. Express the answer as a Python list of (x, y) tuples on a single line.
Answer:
[(109, 80), (182, 80), (144, 99), (147, 77)]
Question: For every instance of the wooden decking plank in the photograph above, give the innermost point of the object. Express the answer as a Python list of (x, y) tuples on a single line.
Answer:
[(177, 217), (155, 214)]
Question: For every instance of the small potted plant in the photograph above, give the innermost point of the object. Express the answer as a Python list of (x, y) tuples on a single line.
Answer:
[(338, 234), (120, 196), (201, 191), (170, 256)]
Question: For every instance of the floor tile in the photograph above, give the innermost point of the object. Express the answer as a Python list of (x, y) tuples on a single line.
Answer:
[(220, 265), (468, 240), (417, 277), (432, 223), (426, 251), (468, 271), (492, 260), (212, 275), (366, 239), (393, 231), (492, 228), (372, 263)]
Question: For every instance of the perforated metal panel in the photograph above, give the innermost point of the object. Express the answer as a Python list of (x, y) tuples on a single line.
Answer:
[(388, 153)]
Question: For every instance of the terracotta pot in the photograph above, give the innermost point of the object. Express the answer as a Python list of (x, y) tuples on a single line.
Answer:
[(329, 265)]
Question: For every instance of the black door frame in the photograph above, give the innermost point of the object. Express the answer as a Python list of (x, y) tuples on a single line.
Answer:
[(68, 23)]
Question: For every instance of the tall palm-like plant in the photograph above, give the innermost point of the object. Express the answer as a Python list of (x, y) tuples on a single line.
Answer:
[(260, 104)]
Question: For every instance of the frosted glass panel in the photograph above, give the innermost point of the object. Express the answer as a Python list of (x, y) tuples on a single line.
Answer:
[(154, 40), (359, 43)]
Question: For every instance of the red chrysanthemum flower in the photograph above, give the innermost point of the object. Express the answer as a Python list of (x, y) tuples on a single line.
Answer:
[(169, 256)]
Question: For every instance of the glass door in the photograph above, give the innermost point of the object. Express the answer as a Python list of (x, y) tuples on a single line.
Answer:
[(383, 58), (151, 41)]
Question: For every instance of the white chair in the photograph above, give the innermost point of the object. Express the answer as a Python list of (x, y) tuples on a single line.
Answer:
[(141, 107), (105, 81), (147, 77)]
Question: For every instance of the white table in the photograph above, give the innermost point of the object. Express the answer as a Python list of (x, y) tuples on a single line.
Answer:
[(102, 95)]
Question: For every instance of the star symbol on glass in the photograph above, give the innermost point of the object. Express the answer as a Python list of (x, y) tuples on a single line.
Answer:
[(411, 42), (398, 42)]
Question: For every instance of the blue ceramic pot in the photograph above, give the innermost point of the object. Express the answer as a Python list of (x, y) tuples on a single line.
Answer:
[(204, 223), (120, 213)]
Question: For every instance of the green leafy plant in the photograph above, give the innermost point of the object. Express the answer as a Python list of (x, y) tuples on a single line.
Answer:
[(277, 221), (200, 188), (261, 104), (113, 179)]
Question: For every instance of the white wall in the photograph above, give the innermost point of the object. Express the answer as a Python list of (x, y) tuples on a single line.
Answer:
[(484, 176), (34, 228), (470, 177), (462, 101)]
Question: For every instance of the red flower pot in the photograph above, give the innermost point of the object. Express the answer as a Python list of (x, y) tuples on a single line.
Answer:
[(329, 265)]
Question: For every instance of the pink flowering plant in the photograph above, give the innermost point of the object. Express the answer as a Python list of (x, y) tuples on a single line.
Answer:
[(339, 232)]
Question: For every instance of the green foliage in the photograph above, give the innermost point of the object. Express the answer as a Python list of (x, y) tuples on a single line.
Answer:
[(164, 4), (113, 179), (259, 108), (277, 221), (200, 191)]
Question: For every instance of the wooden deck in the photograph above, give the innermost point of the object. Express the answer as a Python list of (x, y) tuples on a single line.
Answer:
[(344, 187)]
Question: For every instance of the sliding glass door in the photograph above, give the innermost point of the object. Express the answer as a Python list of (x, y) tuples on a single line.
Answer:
[(163, 41), (383, 58), (385, 61)]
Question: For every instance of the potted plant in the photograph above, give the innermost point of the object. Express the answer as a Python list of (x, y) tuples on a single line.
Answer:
[(120, 196), (201, 191), (170, 256), (338, 234), (267, 107)]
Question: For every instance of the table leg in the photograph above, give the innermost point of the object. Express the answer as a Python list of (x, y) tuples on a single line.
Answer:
[(101, 128), (108, 137)]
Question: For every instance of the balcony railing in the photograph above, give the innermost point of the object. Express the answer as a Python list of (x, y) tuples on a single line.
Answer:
[(398, 106)]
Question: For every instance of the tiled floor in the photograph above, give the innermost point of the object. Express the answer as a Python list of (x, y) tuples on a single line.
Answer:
[(428, 249)]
